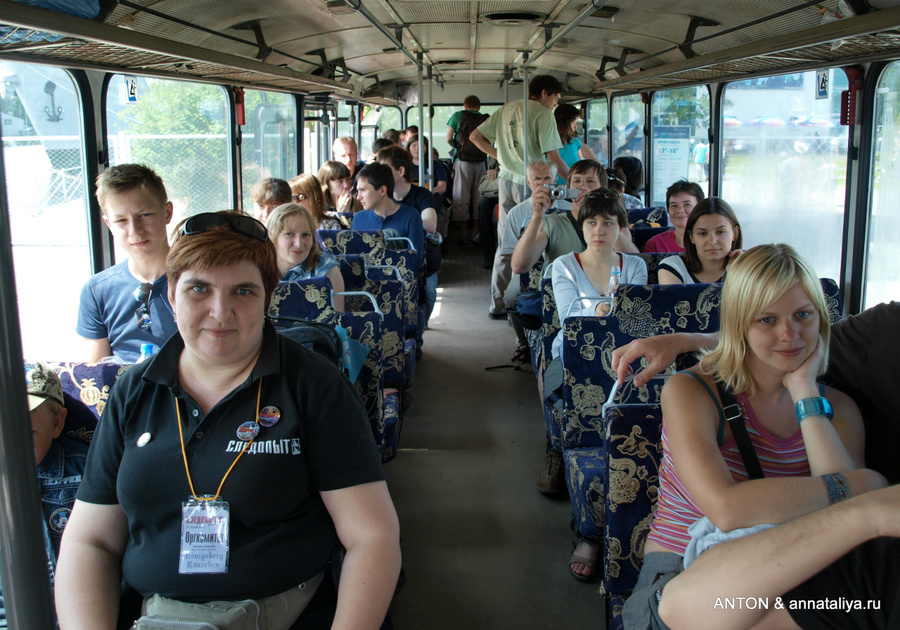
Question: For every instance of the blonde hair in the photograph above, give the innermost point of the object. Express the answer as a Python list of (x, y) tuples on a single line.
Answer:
[(757, 279), (275, 226), (309, 186)]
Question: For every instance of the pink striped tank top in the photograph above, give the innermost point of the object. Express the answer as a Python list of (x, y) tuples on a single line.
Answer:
[(676, 510)]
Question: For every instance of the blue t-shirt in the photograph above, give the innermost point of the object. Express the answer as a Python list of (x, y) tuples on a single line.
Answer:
[(107, 307), (404, 222), (569, 155), (326, 262)]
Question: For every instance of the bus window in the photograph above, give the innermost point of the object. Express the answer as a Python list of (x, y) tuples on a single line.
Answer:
[(316, 142), (882, 272), (785, 164), (598, 129), (45, 184), (389, 119), (268, 143), (628, 127), (179, 129), (680, 125)]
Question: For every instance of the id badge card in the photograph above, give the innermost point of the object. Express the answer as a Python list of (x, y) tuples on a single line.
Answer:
[(204, 536)]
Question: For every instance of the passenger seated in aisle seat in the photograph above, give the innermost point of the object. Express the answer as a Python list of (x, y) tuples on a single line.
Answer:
[(336, 187), (862, 362), (292, 231), (580, 282), (307, 192), (127, 305), (60, 461), (380, 212), (806, 440), (631, 202), (378, 145), (713, 241), (553, 235), (441, 176), (540, 173), (267, 195), (421, 199), (681, 197)]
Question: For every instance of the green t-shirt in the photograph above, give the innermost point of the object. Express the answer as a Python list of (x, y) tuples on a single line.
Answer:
[(456, 119), (505, 130)]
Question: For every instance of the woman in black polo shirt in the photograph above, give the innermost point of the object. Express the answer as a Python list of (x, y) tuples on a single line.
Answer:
[(230, 423)]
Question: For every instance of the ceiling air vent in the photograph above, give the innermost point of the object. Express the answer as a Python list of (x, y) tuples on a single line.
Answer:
[(513, 19)]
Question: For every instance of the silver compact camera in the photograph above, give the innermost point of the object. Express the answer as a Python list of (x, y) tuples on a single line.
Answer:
[(561, 192)]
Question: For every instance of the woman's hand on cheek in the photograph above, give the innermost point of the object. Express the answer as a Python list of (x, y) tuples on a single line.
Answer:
[(800, 381)]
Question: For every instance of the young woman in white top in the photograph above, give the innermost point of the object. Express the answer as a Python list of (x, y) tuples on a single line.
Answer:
[(580, 282), (713, 240)]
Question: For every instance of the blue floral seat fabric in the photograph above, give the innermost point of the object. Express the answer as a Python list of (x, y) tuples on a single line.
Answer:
[(351, 241), (652, 261), (644, 217), (86, 388), (311, 299), (549, 329)]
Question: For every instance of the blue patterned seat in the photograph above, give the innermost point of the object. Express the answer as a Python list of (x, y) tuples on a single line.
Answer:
[(388, 290), (351, 241), (640, 235), (86, 388), (645, 217), (549, 329), (652, 261), (311, 299)]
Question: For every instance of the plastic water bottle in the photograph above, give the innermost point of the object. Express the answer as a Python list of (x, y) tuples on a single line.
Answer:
[(147, 351), (615, 275)]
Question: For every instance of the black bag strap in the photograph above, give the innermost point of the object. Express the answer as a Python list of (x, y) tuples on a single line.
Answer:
[(577, 230), (731, 411)]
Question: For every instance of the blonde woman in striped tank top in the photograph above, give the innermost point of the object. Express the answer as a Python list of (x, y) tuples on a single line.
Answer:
[(773, 345)]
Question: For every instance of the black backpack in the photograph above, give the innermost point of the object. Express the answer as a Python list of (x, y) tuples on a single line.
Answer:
[(316, 336), (466, 150)]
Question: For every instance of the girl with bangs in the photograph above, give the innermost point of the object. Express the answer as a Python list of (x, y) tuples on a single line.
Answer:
[(307, 192), (790, 446), (713, 241), (292, 230)]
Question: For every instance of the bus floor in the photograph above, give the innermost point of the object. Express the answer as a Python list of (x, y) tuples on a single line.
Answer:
[(481, 547)]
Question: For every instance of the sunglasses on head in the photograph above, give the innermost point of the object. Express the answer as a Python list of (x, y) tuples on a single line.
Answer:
[(142, 313), (248, 226), (602, 194)]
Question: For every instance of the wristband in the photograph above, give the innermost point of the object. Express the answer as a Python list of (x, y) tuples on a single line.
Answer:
[(837, 487), (817, 406)]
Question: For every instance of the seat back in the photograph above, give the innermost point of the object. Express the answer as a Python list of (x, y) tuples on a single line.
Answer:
[(351, 241), (645, 217), (652, 261), (640, 235)]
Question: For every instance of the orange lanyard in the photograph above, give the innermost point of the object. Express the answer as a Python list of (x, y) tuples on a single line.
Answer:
[(227, 472)]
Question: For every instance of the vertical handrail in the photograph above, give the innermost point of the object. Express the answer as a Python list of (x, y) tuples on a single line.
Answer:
[(23, 559), (433, 177), (525, 124), (421, 121)]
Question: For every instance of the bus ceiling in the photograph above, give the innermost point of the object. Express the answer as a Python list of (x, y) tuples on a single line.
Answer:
[(371, 49)]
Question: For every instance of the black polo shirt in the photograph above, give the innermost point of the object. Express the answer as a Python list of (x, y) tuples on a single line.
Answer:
[(418, 198), (281, 533)]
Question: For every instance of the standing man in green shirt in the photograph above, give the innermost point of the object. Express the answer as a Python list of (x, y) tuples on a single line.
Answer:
[(502, 136)]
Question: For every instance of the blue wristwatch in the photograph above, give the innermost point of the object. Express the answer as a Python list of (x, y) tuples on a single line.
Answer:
[(817, 406)]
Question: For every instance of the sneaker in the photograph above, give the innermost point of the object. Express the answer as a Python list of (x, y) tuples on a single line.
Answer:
[(497, 315), (552, 482)]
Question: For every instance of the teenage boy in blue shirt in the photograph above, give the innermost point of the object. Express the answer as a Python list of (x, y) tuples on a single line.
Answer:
[(125, 306)]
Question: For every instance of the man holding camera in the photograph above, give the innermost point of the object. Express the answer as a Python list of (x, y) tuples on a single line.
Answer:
[(554, 235)]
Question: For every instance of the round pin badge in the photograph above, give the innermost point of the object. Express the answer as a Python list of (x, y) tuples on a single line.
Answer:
[(248, 431), (269, 416), (143, 440)]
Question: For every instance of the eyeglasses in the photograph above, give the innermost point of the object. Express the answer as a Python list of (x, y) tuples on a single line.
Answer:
[(142, 314), (204, 222), (300, 197), (602, 194)]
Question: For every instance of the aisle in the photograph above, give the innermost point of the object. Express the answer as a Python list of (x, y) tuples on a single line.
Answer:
[(481, 548)]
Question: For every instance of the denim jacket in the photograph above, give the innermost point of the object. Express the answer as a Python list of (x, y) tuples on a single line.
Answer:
[(59, 476)]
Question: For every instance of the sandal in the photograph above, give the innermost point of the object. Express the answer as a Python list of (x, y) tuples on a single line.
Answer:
[(590, 563), (522, 355)]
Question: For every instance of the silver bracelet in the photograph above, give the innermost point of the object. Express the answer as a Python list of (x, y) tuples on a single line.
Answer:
[(837, 487)]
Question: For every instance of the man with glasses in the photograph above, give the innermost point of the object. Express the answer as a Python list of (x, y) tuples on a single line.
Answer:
[(127, 305)]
